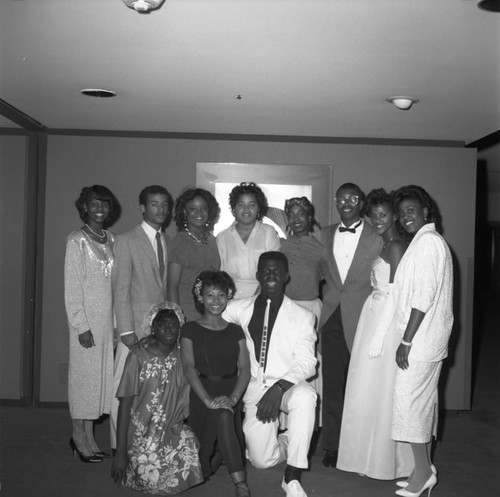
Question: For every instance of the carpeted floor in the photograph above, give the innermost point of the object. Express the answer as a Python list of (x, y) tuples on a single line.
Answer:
[(36, 460)]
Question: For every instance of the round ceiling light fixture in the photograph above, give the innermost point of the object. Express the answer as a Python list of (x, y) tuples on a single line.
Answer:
[(98, 92), (403, 103), (489, 5), (143, 5)]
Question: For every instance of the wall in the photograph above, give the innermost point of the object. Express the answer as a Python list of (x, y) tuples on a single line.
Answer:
[(12, 212), (127, 164)]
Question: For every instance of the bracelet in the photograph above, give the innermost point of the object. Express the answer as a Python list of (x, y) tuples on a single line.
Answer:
[(235, 396), (408, 344)]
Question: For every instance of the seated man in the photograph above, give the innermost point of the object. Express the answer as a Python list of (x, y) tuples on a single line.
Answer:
[(280, 338)]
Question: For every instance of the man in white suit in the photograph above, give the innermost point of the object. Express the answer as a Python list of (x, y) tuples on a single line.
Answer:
[(280, 338), (139, 278)]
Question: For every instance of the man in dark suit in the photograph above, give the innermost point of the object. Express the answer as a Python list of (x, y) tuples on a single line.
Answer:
[(352, 246), (139, 278)]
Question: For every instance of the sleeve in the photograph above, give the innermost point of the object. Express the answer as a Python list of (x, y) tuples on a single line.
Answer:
[(178, 251), (232, 313), (121, 278), (239, 333), (74, 279), (187, 331), (130, 385), (428, 269), (304, 360), (272, 240), (221, 245)]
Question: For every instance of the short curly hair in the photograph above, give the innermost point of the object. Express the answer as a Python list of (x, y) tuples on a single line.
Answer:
[(378, 196), (249, 188), (103, 194), (189, 194), (217, 279), (415, 192)]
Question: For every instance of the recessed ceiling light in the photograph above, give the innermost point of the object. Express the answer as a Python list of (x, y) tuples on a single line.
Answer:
[(98, 92), (403, 103), (489, 5)]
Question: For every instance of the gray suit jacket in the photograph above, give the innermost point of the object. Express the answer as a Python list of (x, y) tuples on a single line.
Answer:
[(351, 295), (136, 280)]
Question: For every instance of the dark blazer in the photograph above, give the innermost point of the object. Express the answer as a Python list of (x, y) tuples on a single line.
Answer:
[(357, 285), (136, 280)]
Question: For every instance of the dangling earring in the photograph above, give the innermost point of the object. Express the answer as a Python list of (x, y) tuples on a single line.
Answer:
[(185, 224)]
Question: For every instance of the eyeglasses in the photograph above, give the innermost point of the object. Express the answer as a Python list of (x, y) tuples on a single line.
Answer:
[(351, 199)]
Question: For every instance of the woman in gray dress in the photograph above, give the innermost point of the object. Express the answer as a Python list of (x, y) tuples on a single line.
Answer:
[(87, 295)]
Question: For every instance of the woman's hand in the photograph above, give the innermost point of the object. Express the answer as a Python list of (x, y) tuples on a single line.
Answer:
[(402, 356), (220, 402), (86, 339), (119, 467)]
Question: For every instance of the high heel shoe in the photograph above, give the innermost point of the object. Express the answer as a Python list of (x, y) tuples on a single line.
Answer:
[(404, 483), (429, 484), (88, 459), (102, 454)]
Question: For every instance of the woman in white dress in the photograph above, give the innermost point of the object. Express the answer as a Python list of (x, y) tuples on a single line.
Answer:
[(423, 291), (89, 306), (241, 244), (365, 444)]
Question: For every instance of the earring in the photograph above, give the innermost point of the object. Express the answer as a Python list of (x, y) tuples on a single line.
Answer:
[(185, 224)]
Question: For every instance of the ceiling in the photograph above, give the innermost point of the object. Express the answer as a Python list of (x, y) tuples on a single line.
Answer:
[(302, 67)]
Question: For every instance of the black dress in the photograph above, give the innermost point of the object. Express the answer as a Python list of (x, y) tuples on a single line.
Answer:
[(216, 360)]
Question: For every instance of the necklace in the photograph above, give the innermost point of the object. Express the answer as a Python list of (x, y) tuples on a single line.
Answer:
[(198, 240), (388, 241), (96, 234)]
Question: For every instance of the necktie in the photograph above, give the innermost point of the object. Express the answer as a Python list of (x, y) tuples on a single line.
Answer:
[(159, 248), (263, 343), (343, 229)]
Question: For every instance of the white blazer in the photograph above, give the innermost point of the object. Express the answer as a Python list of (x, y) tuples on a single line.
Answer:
[(291, 348)]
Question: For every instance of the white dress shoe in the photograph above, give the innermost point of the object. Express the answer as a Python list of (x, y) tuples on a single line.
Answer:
[(293, 489)]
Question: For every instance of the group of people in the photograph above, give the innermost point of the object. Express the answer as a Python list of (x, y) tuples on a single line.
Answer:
[(354, 317)]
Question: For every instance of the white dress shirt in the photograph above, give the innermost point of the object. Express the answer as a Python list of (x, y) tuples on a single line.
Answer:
[(344, 246), (151, 234)]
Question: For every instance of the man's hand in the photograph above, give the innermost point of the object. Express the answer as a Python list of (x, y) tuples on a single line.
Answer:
[(268, 406)]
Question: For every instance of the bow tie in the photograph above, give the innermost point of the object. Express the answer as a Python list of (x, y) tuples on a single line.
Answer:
[(343, 229)]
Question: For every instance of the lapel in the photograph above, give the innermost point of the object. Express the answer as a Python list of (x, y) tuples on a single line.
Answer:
[(329, 239)]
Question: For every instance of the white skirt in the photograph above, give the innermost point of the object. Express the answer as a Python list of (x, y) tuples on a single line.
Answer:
[(415, 404)]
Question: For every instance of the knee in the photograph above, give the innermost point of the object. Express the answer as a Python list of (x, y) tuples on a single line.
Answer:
[(302, 396), (226, 417)]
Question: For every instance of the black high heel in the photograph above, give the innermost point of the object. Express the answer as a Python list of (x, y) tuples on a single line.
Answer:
[(100, 453), (88, 459)]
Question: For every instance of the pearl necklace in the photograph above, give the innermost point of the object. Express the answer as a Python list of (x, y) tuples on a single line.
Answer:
[(96, 234), (203, 240)]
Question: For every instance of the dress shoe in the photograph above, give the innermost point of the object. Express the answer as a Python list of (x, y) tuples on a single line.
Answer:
[(404, 483), (87, 459), (429, 485), (102, 454), (330, 459), (293, 488)]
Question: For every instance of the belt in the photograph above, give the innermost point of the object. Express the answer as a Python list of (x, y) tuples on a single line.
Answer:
[(218, 378)]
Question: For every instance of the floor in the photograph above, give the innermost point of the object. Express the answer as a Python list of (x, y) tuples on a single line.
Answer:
[(36, 459)]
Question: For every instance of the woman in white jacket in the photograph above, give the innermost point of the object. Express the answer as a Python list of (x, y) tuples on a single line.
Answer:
[(423, 288)]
